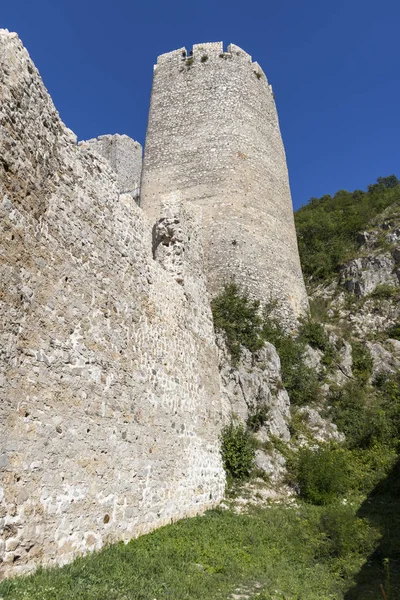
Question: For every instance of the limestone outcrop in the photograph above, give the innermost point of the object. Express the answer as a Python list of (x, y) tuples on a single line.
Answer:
[(367, 292), (255, 386)]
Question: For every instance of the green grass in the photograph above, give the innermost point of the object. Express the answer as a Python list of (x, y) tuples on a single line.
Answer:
[(285, 553)]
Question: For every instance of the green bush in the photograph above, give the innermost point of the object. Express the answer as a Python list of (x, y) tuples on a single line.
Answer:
[(342, 533), (237, 451), (258, 419), (394, 332), (300, 381), (368, 416), (319, 309), (349, 412), (362, 362), (370, 466), (238, 317), (322, 474), (314, 334), (385, 291)]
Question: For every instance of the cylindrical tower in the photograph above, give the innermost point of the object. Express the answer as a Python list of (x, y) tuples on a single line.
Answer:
[(213, 139)]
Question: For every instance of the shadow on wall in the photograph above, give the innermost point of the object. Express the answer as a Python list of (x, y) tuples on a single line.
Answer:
[(379, 578)]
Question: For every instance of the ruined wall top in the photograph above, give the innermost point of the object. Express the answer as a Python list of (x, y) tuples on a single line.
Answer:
[(124, 155)]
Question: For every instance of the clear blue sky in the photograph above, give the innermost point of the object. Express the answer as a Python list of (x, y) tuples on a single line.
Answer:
[(334, 66)]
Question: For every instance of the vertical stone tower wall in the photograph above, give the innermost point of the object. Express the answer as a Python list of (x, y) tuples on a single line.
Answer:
[(213, 139)]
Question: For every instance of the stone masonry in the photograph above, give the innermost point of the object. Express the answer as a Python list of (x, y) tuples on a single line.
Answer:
[(213, 140), (125, 158), (113, 391), (110, 403)]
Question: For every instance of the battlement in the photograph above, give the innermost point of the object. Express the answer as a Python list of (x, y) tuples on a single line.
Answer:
[(207, 51)]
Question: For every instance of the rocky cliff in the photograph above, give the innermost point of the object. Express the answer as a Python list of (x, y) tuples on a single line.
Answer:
[(363, 301)]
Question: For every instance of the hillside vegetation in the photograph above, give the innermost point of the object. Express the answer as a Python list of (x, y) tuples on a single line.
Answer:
[(340, 538), (327, 227)]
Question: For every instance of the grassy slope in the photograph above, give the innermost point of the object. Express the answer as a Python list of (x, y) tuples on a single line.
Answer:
[(279, 553)]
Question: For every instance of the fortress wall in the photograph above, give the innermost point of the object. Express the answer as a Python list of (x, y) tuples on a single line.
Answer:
[(213, 139), (110, 404), (125, 158)]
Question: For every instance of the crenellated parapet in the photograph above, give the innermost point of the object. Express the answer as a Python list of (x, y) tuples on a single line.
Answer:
[(203, 55)]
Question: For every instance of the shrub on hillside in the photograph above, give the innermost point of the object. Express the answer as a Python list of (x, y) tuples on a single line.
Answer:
[(368, 416), (322, 474), (349, 412), (237, 451), (314, 334), (362, 362), (258, 419), (394, 332), (300, 380), (342, 533), (385, 291), (238, 317)]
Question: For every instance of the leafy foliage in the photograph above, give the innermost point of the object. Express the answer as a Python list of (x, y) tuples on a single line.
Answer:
[(258, 419), (314, 334), (240, 319), (238, 316), (300, 380), (327, 227), (385, 291), (237, 451), (342, 533), (322, 474), (368, 416), (362, 362), (394, 332)]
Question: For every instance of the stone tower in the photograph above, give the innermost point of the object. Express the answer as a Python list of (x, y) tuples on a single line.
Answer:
[(213, 139)]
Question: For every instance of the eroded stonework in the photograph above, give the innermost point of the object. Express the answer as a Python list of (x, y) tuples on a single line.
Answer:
[(110, 406), (124, 155)]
